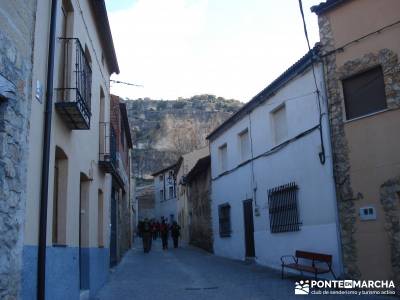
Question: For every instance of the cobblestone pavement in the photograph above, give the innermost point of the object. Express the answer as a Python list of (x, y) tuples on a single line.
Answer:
[(189, 273)]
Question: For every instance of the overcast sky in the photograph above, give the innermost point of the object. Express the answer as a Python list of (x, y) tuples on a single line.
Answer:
[(229, 48)]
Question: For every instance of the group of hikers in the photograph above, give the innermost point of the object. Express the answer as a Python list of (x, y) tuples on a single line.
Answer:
[(150, 230)]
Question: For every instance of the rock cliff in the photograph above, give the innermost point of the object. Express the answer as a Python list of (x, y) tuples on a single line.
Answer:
[(162, 130)]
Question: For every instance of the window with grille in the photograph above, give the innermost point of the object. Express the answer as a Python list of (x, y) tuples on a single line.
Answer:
[(283, 208), (364, 93), (224, 213)]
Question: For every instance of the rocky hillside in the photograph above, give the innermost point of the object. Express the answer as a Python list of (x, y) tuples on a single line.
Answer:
[(163, 130)]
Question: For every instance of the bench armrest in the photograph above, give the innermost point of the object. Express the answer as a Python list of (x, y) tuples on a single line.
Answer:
[(287, 256)]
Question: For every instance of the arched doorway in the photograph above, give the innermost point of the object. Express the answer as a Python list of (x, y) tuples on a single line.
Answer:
[(60, 198), (84, 232)]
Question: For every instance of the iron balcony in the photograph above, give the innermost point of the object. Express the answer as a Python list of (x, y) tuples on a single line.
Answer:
[(75, 83), (108, 161)]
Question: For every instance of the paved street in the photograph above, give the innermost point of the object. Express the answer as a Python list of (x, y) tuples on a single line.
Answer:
[(189, 273)]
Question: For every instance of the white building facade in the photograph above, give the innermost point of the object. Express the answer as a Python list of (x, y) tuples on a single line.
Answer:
[(272, 185), (166, 205)]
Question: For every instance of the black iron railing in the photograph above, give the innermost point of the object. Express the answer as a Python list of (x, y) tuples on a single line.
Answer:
[(75, 84), (283, 210), (107, 146)]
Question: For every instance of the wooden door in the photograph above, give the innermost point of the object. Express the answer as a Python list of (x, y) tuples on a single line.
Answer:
[(248, 228)]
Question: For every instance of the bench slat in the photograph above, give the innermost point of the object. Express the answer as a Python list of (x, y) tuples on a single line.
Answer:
[(307, 268), (314, 256)]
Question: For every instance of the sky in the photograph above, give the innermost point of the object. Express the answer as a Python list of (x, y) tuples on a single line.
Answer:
[(228, 48)]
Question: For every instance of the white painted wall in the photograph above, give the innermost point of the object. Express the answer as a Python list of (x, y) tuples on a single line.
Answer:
[(297, 162), (168, 206)]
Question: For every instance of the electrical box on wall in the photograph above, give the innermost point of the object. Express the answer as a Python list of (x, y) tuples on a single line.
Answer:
[(367, 213)]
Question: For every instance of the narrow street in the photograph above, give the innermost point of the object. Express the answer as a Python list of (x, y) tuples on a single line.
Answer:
[(190, 273)]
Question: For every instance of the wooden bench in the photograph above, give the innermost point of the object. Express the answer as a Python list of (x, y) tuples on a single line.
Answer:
[(315, 267)]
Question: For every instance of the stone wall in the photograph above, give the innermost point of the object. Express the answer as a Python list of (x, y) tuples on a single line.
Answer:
[(345, 195), (200, 201), (16, 43), (390, 199)]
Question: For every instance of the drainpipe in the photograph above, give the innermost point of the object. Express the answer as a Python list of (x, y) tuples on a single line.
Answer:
[(44, 191)]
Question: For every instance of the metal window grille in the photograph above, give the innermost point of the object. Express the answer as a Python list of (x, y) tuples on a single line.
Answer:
[(283, 208), (224, 213)]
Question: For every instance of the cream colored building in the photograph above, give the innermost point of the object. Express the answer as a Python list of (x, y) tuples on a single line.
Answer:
[(361, 46), (79, 190)]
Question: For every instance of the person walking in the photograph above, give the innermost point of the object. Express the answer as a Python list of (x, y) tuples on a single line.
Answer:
[(146, 236), (140, 228), (164, 234), (157, 229), (175, 233), (154, 229)]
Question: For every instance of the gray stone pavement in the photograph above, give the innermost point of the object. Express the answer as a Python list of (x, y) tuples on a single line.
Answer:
[(190, 273)]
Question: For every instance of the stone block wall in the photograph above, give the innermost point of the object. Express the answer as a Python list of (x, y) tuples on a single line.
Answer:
[(200, 201), (16, 45)]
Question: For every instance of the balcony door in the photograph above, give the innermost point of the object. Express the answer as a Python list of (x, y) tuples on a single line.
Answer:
[(65, 53)]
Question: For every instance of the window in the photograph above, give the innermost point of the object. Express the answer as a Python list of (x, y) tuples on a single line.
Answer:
[(244, 144), (364, 93), (66, 25), (280, 124), (171, 192), (223, 158), (170, 177), (283, 211), (161, 195), (161, 178), (224, 213)]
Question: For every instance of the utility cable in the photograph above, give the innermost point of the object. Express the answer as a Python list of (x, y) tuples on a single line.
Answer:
[(126, 83), (321, 154)]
